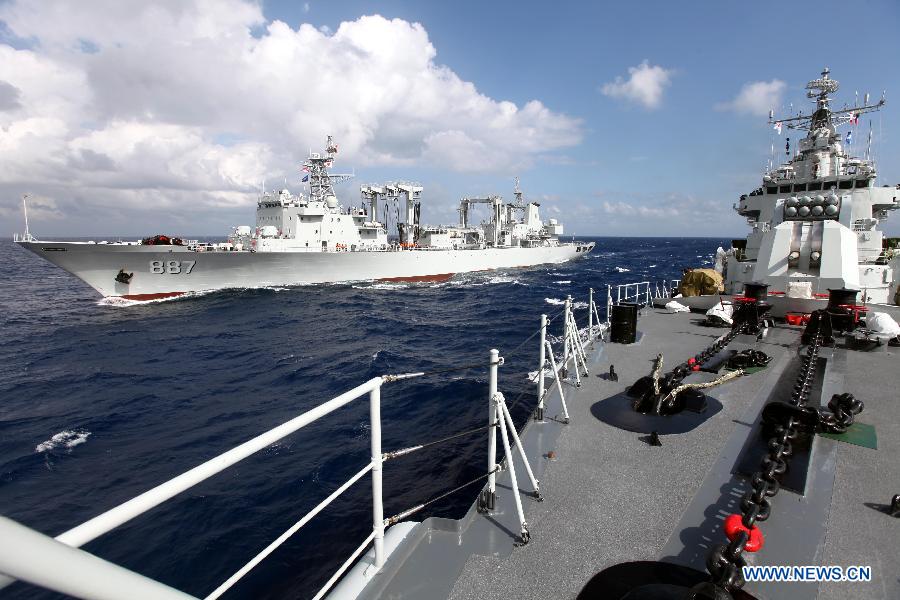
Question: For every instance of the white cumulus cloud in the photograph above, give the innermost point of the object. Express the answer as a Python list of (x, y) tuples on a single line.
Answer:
[(197, 101), (756, 98), (645, 85)]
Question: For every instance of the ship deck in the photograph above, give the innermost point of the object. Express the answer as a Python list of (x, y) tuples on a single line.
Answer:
[(611, 497)]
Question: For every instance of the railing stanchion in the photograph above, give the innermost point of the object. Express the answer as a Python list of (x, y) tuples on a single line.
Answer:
[(608, 302), (590, 312), (556, 377), (491, 493), (377, 459), (539, 413), (565, 361)]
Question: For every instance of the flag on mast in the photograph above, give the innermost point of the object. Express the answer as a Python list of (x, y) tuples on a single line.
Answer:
[(849, 139), (777, 127)]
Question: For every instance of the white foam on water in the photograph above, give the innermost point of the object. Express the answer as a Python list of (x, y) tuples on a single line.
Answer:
[(558, 302), (563, 281), (622, 269), (533, 375), (381, 286), (651, 266), (64, 440)]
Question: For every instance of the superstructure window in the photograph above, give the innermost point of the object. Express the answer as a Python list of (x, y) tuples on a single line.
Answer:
[(784, 189), (846, 184), (861, 183), (814, 187), (800, 187), (772, 189)]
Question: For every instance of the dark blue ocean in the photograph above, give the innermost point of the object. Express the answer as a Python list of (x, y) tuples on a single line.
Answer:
[(99, 403)]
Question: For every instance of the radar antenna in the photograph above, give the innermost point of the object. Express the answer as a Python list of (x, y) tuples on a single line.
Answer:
[(819, 90)]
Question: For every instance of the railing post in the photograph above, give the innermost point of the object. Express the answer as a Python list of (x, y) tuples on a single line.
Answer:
[(608, 302), (590, 312), (377, 459), (491, 493), (539, 413), (565, 362)]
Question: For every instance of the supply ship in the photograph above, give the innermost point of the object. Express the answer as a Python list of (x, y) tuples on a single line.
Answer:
[(312, 238), (667, 455)]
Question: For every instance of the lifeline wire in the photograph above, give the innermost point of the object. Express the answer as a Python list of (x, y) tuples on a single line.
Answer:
[(411, 511)]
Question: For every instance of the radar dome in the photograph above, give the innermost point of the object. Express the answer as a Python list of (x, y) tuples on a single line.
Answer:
[(790, 211), (817, 211), (804, 211), (331, 201)]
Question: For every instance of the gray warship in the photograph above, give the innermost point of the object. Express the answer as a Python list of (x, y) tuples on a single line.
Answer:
[(672, 453)]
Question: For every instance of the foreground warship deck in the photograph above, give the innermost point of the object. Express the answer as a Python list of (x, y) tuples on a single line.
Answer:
[(625, 513), (612, 498)]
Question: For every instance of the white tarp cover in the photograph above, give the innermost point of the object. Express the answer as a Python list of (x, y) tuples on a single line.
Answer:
[(676, 307), (882, 323), (724, 311), (799, 289)]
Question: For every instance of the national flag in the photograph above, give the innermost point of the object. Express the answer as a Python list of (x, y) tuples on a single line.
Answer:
[(854, 119), (849, 138), (305, 169), (305, 178), (777, 127)]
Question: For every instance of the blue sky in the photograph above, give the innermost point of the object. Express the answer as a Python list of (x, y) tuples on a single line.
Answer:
[(604, 157)]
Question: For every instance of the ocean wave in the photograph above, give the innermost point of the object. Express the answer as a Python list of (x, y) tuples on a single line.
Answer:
[(64, 440), (563, 281), (558, 302), (477, 281), (381, 286), (622, 269)]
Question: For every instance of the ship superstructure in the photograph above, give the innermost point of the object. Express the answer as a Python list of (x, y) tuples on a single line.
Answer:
[(313, 238), (815, 218)]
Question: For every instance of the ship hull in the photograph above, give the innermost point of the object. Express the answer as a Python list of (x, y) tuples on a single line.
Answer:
[(169, 271)]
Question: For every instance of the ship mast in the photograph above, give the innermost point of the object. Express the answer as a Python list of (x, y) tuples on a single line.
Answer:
[(321, 182), (823, 116)]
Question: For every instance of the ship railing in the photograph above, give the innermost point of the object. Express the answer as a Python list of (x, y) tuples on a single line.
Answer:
[(667, 288), (633, 293), (31, 556), (59, 564)]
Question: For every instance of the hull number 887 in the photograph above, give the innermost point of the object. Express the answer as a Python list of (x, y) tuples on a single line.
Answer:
[(172, 267)]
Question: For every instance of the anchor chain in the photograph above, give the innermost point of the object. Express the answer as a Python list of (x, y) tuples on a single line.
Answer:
[(843, 407), (725, 561)]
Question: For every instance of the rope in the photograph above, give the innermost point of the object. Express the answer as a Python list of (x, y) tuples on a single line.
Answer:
[(411, 449), (401, 376), (411, 511), (702, 386), (655, 374)]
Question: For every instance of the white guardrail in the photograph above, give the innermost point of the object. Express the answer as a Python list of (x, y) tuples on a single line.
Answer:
[(58, 563)]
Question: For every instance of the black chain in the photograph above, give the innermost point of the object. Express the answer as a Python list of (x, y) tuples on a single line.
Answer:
[(725, 562), (642, 391), (843, 407)]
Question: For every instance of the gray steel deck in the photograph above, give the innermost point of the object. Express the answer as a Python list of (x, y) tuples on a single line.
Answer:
[(613, 498)]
